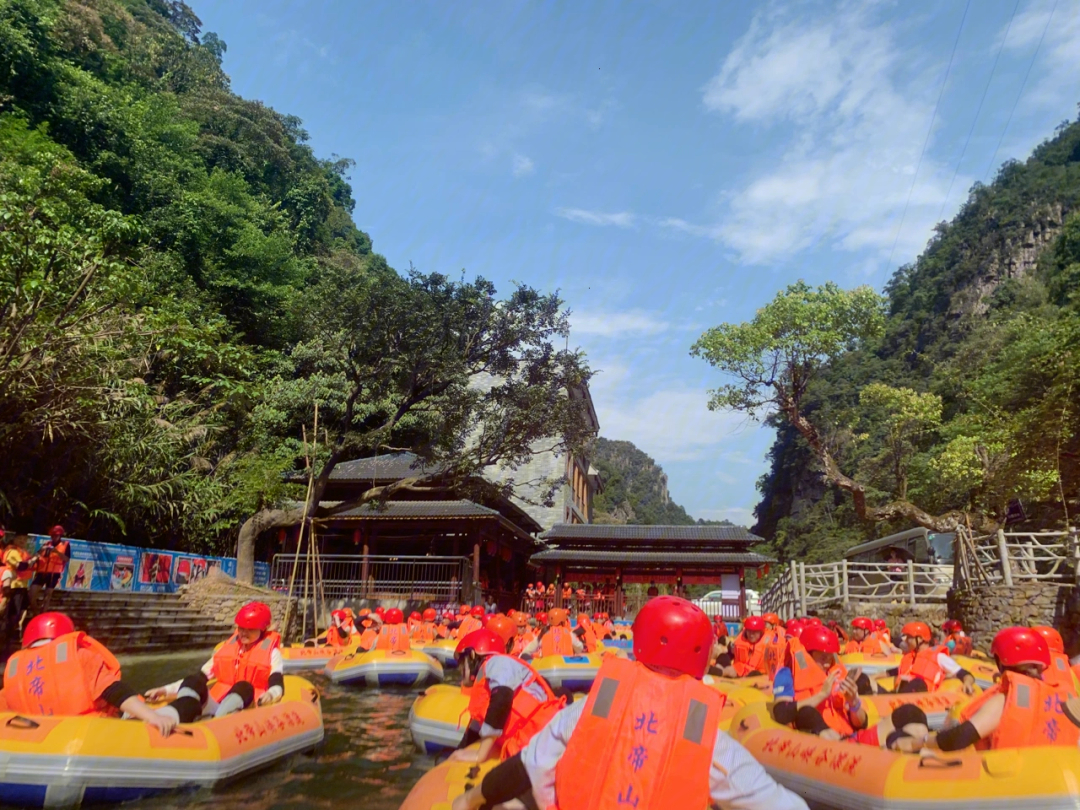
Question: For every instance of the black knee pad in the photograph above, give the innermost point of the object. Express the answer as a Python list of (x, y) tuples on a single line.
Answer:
[(863, 685), (562, 691), (809, 719), (907, 714), (187, 708), (914, 685), (197, 684), (246, 692)]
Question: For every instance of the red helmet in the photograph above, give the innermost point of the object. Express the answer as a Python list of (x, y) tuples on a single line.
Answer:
[(482, 642), (429, 615), (1014, 646), (340, 615), (415, 616), (793, 624), (862, 623), (1052, 636), (771, 618), (363, 612), (717, 619), (821, 639), (254, 616), (879, 624), (464, 610), (754, 623), (380, 611), (477, 611), (539, 584), (393, 616), (542, 617), (56, 531), (812, 621), (448, 614), (917, 630), (674, 633), (47, 626), (511, 613), (502, 626)]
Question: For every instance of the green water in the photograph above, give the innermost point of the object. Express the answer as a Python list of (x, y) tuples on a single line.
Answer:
[(367, 759)]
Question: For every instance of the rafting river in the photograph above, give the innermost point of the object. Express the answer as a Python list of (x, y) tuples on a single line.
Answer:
[(367, 759)]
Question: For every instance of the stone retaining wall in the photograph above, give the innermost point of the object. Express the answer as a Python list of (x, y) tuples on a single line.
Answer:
[(986, 609), (219, 597), (895, 615)]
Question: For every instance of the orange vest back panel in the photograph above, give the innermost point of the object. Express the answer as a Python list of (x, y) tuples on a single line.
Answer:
[(644, 741), (556, 641), (393, 638), (232, 665), (1033, 714), (527, 715), (49, 680)]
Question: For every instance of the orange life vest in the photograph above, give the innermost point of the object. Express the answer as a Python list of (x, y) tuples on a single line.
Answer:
[(368, 638), (393, 638), (871, 645), (49, 680), (233, 665), (1032, 716), (556, 641), (961, 644), (521, 641), (776, 653), (589, 639), (424, 632), (923, 664), (468, 625), (1059, 675), (748, 657), (52, 559), (809, 677), (609, 628), (528, 716), (644, 740)]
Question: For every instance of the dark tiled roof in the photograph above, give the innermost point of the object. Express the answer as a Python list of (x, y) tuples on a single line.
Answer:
[(676, 557), (567, 534), (420, 509), (389, 467)]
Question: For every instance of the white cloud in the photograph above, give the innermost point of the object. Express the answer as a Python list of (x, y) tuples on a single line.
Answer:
[(621, 219), (1059, 57), (523, 165), (858, 113), (609, 324), (739, 515)]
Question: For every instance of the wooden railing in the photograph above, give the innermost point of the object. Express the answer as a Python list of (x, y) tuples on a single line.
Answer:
[(1009, 558), (801, 588)]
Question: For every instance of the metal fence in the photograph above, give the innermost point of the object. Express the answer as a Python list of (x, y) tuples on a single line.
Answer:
[(801, 588), (351, 577)]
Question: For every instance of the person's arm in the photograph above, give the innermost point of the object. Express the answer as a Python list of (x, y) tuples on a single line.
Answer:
[(821, 695), (954, 670), (276, 682), (738, 782), (170, 689), (577, 644), (982, 724)]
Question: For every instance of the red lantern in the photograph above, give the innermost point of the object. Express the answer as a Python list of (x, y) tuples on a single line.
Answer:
[(489, 548), (281, 535), (505, 553), (356, 537)]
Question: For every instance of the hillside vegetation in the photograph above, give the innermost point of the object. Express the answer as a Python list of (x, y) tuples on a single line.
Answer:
[(963, 396), (181, 282)]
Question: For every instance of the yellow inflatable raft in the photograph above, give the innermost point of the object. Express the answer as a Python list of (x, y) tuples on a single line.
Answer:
[(68, 761), (297, 657), (574, 672), (850, 776), (438, 717), (384, 668), (438, 788), (442, 650)]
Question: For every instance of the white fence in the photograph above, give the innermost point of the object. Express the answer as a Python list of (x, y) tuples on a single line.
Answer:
[(1012, 557)]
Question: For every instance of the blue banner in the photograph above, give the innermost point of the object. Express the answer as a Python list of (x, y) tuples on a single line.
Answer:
[(113, 567)]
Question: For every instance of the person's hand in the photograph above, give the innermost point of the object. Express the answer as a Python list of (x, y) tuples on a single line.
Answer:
[(830, 682), (969, 686), (471, 799), (162, 723), (849, 688), (470, 755), (156, 695), (267, 698)]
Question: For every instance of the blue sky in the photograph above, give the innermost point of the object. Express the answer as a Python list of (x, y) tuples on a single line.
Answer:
[(668, 166)]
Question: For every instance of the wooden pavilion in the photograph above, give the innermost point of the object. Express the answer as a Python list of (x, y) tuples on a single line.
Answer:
[(675, 556)]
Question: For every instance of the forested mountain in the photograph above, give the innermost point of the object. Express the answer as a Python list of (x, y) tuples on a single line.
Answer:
[(182, 283), (979, 352), (635, 488)]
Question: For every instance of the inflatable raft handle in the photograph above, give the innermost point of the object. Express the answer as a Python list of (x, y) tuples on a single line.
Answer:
[(937, 762), (22, 723)]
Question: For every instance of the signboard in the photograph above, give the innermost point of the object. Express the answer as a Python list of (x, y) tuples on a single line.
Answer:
[(1014, 512), (113, 567)]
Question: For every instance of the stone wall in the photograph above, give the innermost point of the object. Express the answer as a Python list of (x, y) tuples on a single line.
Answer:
[(218, 596), (986, 609), (895, 615)]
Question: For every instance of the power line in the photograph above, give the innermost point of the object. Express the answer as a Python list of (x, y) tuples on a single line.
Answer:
[(1008, 121), (978, 110), (929, 130)]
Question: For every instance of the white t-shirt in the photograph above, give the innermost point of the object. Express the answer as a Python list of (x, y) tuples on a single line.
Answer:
[(736, 780), (504, 671)]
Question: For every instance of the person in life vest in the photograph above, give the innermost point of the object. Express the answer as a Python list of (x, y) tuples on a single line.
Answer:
[(647, 737), (49, 565), (62, 672), (1022, 709), (1059, 674), (923, 666), (586, 632), (814, 692), (863, 638), (958, 642), (881, 627), (509, 702), (523, 634), (470, 622), (342, 629), (558, 639), (747, 656), (415, 619), (15, 573), (776, 653), (391, 633), (248, 669), (426, 631), (773, 629)]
